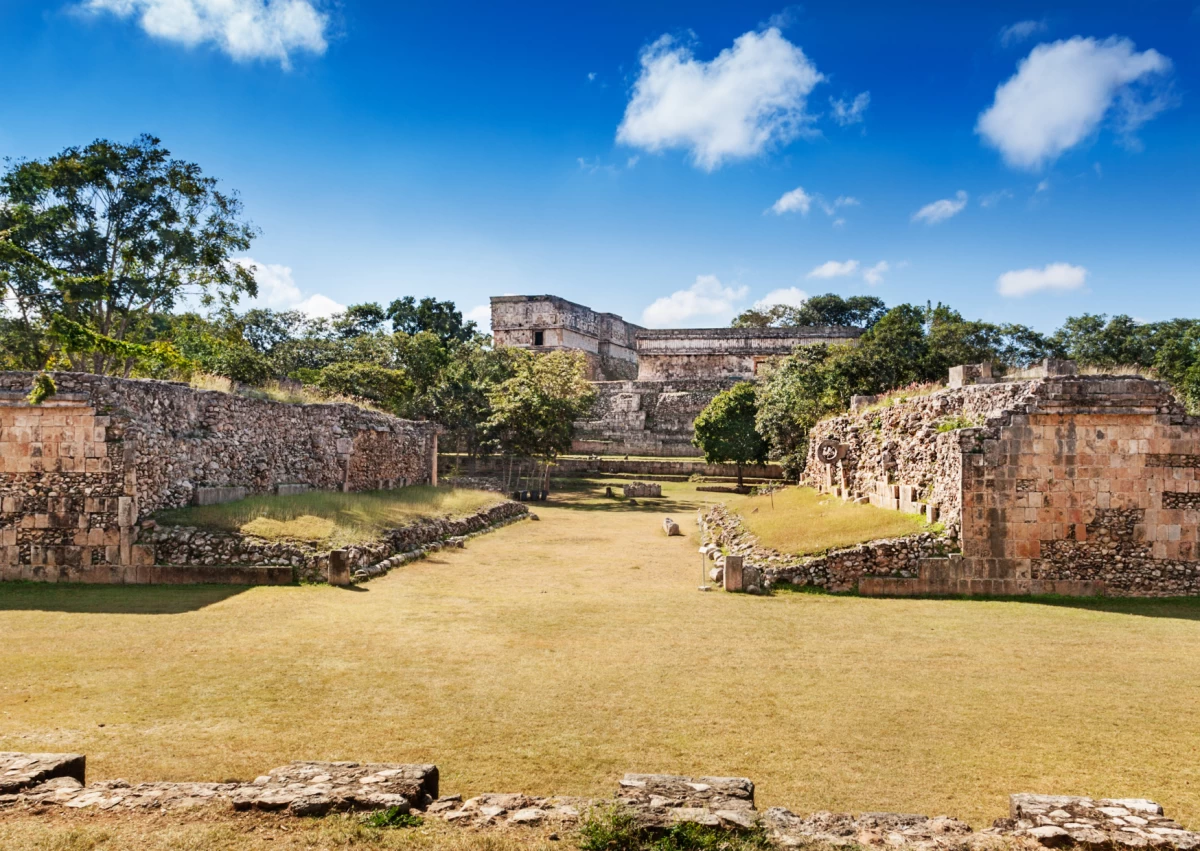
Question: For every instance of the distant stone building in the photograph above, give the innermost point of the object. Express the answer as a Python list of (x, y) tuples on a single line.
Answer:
[(651, 384)]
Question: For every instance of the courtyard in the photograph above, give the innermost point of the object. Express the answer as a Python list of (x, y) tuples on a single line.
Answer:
[(553, 656)]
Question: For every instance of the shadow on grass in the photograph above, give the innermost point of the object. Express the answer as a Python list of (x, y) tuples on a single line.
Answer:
[(112, 599), (588, 495), (1179, 608)]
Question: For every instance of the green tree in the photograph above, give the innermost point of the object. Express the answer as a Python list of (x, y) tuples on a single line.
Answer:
[(726, 432), (534, 412), (861, 311), (111, 234), (438, 317)]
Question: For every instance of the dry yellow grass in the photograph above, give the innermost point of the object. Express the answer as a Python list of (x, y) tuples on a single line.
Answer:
[(332, 519), (803, 521), (555, 656)]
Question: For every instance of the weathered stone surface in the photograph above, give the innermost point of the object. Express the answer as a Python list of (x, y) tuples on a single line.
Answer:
[(671, 527), (1063, 484), (1064, 820), (671, 790), (643, 489), (313, 788), (22, 770), (80, 473)]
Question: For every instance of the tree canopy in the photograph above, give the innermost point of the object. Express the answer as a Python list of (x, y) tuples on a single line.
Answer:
[(106, 236), (726, 432)]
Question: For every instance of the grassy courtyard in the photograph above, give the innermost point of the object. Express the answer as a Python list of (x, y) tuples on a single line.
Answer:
[(331, 519), (804, 521), (555, 656)]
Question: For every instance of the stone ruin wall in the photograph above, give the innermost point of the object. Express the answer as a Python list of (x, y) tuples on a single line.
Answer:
[(606, 340), (1070, 484), (80, 472), (724, 353), (645, 417)]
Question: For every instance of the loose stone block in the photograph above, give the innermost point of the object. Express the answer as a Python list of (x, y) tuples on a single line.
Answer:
[(218, 495), (671, 527), (733, 573), (22, 770), (339, 568)]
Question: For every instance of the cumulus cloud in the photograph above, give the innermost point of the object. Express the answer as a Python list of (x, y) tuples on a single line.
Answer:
[(791, 296), (850, 112), (244, 29), (796, 201), (1021, 30), (939, 211), (834, 269), (1063, 91), (874, 275), (1053, 276), (277, 290), (481, 315), (752, 96), (708, 297)]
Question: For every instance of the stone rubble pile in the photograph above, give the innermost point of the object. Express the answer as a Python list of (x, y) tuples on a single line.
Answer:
[(657, 802), (836, 570), (643, 489), (1064, 820)]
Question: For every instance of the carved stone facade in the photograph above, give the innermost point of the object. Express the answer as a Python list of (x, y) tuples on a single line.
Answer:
[(79, 472), (547, 323), (651, 384), (1064, 484)]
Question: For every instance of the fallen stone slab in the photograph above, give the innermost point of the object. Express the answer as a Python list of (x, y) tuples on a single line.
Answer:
[(1075, 821), (657, 791), (892, 829), (120, 795), (515, 809), (23, 770), (315, 788)]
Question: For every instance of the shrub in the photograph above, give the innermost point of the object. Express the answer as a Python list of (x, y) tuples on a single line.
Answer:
[(392, 817)]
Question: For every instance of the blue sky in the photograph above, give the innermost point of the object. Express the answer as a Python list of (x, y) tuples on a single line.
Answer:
[(1021, 161)]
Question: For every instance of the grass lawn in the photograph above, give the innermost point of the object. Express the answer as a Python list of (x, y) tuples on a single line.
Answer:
[(331, 519), (804, 521), (555, 656)]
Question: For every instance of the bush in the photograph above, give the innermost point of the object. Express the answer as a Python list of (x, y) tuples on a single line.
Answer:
[(392, 817)]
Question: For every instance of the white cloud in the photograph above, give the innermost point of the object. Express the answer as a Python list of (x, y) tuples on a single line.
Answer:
[(796, 201), (834, 269), (839, 223), (1061, 93), (1053, 276), (277, 290), (591, 76), (1021, 30), (244, 29), (481, 315), (791, 296), (874, 275), (751, 96), (994, 198), (850, 113), (1043, 186), (707, 297), (939, 211)]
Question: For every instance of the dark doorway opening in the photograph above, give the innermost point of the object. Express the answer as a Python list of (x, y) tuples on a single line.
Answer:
[(539, 338)]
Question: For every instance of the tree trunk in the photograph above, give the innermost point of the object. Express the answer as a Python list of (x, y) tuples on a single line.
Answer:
[(739, 469)]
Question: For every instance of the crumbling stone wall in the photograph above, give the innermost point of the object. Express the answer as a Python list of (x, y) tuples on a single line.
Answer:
[(80, 471), (645, 417), (724, 353), (549, 323), (1070, 484)]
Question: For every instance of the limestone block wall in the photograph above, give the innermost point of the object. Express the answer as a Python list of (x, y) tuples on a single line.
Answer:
[(80, 471), (645, 417), (722, 353), (605, 338), (1076, 484)]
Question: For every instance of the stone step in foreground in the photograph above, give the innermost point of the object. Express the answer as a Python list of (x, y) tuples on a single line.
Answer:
[(657, 801)]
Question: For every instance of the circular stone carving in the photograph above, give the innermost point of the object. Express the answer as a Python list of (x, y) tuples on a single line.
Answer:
[(830, 451)]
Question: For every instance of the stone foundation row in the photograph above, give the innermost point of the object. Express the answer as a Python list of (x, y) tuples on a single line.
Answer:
[(42, 782)]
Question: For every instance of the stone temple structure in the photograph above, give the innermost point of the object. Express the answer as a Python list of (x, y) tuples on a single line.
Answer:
[(651, 384)]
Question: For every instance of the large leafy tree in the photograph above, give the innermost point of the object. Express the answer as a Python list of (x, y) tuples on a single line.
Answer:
[(860, 311), (726, 431), (533, 413), (438, 317), (111, 234)]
